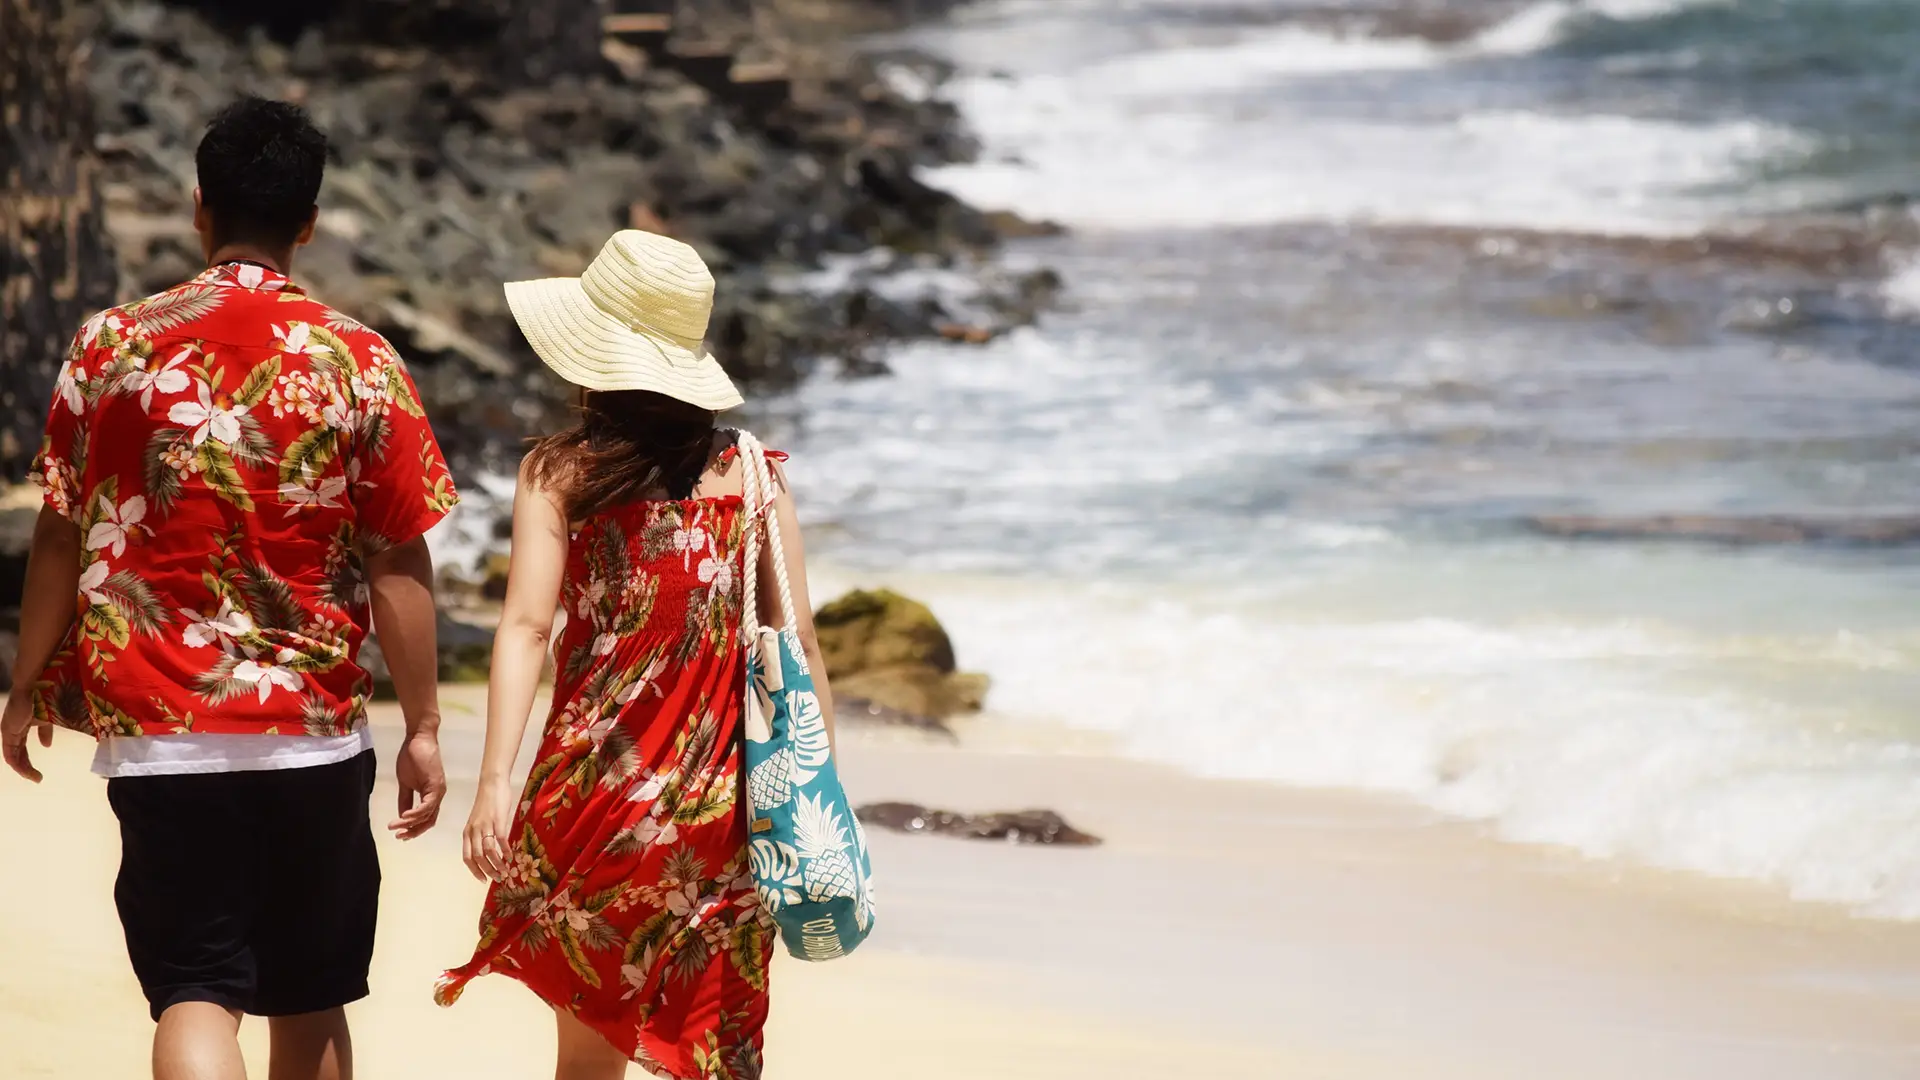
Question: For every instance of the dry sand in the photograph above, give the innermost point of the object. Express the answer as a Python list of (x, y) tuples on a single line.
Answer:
[(1224, 930)]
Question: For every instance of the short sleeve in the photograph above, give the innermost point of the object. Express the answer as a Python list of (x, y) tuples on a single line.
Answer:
[(61, 463), (399, 479)]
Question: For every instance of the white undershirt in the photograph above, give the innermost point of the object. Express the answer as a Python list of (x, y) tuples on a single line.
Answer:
[(176, 755)]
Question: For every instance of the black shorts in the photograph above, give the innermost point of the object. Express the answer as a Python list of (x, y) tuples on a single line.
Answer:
[(257, 891)]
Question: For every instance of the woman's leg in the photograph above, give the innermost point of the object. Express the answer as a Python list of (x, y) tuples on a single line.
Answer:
[(584, 1055)]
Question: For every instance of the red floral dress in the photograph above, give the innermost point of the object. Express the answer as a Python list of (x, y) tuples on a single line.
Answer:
[(229, 449), (628, 900)]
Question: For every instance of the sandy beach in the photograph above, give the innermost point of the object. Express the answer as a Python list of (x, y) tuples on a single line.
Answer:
[(1489, 430), (1223, 929)]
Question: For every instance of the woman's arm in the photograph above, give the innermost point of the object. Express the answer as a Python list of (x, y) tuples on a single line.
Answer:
[(534, 575), (769, 592)]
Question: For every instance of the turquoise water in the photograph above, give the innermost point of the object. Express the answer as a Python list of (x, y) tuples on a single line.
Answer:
[(1347, 311)]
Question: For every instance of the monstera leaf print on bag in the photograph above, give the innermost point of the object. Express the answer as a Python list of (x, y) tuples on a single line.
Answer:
[(806, 849)]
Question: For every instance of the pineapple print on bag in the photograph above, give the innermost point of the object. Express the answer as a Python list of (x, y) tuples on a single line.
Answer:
[(808, 855), (823, 844), (771, 782)]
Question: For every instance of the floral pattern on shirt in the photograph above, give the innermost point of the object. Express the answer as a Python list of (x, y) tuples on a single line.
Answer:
[(229, 450)]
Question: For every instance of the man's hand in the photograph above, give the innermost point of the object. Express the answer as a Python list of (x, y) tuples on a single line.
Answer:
[(423, 784), (13, 734), (401, 580)]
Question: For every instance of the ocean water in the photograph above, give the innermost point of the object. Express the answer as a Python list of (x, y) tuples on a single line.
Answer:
[(1355, 294)]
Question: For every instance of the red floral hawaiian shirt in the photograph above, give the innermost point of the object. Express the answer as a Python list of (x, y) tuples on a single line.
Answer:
[(229, 449)]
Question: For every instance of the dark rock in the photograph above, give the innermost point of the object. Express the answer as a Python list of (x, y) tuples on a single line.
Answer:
[(466, 655), (889, 651), (56, 265), (1018, 827), (1012, 226), (493, 577), (457, 167), (9, 650), (1740, 531), (879, 628), (16, 541), (466, 651)]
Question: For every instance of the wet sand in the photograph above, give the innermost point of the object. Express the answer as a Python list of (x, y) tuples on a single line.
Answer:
[(1229, 929)]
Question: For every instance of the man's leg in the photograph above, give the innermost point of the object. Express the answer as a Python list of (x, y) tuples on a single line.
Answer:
[(198, 1040), (186, 899), (314, 942), (313, 1046)]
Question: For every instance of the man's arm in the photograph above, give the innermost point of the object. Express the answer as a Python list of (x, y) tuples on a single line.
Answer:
[(401, 579), (46, 613)]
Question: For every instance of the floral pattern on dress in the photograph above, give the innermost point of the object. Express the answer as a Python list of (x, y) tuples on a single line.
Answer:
[(229, 450), (629, 899)]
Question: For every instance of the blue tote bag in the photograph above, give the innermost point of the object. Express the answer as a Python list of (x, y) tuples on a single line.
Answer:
[(807, 850)]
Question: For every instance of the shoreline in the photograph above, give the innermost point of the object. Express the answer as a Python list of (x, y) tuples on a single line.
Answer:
[(1369, 938), (1222, 926)]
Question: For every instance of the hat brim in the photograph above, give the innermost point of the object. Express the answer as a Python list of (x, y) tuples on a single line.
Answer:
[(590, 348)]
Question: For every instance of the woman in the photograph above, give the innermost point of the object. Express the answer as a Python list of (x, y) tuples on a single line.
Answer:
[(621, 890)]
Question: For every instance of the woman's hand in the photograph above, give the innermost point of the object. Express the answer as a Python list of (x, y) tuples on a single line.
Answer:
[(489, 830)]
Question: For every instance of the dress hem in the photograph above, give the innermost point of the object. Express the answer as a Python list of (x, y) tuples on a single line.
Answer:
[(453, 984)]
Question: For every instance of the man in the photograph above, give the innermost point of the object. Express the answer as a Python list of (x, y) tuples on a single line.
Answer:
[(238, 480)]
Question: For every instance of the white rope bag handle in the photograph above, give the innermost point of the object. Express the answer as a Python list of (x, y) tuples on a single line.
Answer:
[(759, 492)]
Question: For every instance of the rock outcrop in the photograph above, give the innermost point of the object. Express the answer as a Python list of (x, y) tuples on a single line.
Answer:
[(1016, 827), (886, 653), (478, 141), (56, 266), (466, 655), (1769, 529), (18, 513)]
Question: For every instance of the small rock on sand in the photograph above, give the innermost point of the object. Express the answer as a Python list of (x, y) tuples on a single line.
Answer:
[(1016, 827)]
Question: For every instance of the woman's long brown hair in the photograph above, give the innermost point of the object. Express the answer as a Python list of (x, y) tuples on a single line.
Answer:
[(628, 445)]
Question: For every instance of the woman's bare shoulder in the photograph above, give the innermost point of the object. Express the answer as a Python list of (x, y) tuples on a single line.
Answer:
[(720, 479)]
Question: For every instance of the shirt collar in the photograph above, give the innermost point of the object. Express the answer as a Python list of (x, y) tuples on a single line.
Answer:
[(242, 275)]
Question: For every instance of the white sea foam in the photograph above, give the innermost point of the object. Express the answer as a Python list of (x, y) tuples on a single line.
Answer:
[(1746, 715), (1209, 135), (1563, 733), (465, 536), (1064, 153), (1256, 59), (1901, 289), (1546, 24)]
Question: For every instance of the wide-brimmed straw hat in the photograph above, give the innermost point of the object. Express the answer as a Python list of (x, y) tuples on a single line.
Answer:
[(636, 320)]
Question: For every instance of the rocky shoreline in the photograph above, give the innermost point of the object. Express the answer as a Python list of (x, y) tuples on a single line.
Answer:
[(471, 148), (478, 141)]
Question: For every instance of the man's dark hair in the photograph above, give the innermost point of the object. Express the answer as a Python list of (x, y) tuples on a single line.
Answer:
[(260, 166)]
